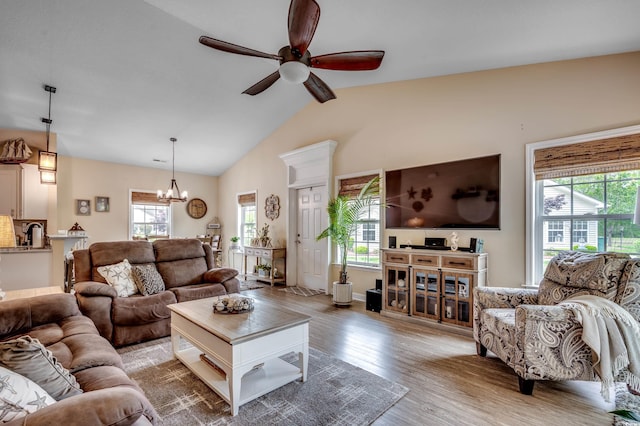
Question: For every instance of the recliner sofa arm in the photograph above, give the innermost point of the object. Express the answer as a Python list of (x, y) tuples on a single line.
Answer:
[(16, 316), (219, 275), (503, 297), (95, 301), (114, 406), (548, 338), (94, 289), (224, 276)]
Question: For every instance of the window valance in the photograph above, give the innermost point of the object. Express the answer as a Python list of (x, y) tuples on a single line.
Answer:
[(609, 155)]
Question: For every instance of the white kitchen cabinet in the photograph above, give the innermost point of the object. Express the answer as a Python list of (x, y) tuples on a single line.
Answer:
[(24, 197), (34, 196), (9, 187)]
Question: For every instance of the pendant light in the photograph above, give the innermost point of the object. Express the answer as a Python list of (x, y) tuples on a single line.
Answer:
[(173, 194), (47, 160)]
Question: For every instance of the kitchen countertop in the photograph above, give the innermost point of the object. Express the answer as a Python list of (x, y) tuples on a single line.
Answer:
[(24, 250)]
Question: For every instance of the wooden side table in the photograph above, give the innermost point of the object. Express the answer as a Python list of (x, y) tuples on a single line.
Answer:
[(270, 254)]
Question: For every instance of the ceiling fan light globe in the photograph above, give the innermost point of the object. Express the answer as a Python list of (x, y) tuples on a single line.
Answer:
[(294, 72)]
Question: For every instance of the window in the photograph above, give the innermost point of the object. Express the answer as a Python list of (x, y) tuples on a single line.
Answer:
[(364, 246), (369, 231), (246, 218), (150, 218), (555, 231), (580, 232), (582, 196)]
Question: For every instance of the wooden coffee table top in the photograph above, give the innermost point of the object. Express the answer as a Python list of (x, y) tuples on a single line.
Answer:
[(237, 328)]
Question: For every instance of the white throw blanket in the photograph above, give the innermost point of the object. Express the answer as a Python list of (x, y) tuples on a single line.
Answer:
[(614, 338)]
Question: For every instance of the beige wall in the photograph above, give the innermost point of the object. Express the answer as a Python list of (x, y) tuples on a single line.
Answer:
[(434, 120), (85, 179)]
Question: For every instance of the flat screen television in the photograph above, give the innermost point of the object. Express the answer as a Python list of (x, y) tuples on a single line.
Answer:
[(462, 194)]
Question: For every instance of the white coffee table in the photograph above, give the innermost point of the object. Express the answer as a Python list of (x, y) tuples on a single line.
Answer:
[(244, 347)]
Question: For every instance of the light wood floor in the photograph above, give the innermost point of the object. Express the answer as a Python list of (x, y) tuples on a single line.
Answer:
[(449, 384)]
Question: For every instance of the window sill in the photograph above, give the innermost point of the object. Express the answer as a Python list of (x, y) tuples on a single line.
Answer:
[(362, 267)]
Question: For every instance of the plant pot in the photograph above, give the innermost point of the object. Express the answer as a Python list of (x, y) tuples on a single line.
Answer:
[(342, 293)]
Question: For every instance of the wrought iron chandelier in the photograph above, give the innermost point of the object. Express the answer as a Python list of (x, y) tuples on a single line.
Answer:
[(173, 194)]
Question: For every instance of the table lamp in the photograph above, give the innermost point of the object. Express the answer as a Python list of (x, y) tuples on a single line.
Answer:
[(7, 232)]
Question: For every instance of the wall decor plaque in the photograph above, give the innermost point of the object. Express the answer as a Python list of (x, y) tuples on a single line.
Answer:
[(272, 207)]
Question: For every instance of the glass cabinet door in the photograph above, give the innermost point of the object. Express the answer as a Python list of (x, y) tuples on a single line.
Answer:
[(397, 288), (457, 298), (425, 293)]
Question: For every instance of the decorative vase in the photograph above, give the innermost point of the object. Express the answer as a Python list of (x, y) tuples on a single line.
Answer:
[(342, 293)]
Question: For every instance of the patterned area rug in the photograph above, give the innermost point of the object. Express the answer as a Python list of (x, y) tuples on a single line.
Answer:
[(250, 285), (335, 393), (302, 291), (625, 400)]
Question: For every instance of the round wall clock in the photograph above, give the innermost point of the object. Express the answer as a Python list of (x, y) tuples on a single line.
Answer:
[(196, 208)]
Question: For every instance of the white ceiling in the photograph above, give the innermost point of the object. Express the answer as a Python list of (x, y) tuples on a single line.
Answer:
[(131, 74)]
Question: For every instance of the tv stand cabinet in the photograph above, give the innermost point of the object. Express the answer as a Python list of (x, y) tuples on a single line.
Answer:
[(432, 285)]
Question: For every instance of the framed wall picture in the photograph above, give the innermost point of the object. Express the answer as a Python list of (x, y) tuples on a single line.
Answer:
[(102, 204), (83, 207)]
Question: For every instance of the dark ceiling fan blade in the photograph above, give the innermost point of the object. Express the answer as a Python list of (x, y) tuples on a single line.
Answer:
[(357, 60), (303, 20), (263, 84), (234, 48), (319, 89)]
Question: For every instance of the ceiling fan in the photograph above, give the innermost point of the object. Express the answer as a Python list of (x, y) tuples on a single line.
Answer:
[(295, 59)]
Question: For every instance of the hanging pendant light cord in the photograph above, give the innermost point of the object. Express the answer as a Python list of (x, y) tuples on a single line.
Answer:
[(173, 162), (49, 121)]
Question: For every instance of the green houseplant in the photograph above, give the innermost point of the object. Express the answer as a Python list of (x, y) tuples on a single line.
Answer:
[(344, 213)]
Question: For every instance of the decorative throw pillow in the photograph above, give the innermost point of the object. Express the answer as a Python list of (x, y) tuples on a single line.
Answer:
[(27, 356), (572, 273), (595, 271), (147, 279), (20, 396), (119, 277)]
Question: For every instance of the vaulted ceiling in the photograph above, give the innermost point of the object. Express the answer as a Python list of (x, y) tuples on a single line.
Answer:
[(131, 74)]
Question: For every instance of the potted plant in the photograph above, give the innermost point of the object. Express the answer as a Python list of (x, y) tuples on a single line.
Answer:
[(263, 269), (234, 243), (344, 213)]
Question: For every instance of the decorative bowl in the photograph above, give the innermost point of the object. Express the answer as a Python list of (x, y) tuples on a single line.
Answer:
[(232, 305)]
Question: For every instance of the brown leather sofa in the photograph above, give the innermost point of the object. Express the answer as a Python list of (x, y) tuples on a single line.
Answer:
[(187, 268), (109, 396)]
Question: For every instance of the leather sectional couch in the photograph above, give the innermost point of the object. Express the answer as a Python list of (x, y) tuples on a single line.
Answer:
[(187, 269), (108, 396)]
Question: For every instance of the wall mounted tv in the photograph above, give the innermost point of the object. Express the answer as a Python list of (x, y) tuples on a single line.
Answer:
[(461, 194)]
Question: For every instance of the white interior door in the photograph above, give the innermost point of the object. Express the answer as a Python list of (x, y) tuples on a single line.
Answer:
[(312, 254)]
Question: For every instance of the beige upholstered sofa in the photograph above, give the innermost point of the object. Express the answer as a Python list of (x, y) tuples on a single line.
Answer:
[(108, 396), (186, 267), (540, 339)]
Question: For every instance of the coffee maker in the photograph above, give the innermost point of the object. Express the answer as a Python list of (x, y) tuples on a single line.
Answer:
[(34, 237)]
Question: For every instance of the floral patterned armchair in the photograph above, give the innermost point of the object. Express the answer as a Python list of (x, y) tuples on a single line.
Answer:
[(540, 339)]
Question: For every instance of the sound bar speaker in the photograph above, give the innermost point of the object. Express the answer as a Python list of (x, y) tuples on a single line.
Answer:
[(392, 242), (475, 245)]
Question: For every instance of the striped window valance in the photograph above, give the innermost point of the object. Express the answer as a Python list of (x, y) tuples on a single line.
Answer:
[(351, 187), (138, 197), (609, 155), (247, 199)]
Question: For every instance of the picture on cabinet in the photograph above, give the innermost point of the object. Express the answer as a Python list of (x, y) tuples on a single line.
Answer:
[(83, 207), (102, 204)]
